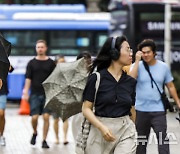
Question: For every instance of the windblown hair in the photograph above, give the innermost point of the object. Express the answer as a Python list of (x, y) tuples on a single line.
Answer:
[(87, 56), (147, 43), (84, 54), (57, 57), (104, 59)]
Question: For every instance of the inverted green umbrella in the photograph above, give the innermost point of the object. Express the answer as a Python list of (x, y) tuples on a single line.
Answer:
[(64, 88)]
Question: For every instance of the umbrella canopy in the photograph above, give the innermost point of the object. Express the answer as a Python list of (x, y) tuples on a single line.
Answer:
[(64, 88), (6, 45), (5, 49)]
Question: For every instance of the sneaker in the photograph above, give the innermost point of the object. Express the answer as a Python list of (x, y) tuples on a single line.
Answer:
[(45, 145), (2, 141), (33, 139)]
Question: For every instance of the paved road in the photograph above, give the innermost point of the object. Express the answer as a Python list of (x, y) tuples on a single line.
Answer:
[(18, 133)]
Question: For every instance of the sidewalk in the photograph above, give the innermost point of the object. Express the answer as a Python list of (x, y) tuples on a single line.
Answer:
[(173, 131), (18, 133)]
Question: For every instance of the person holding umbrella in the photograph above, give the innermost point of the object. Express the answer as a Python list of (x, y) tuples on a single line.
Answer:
[(38, 69), (60, 59), (3, 101), (112, 130), (5, 50), (76, 121), (5, 67)]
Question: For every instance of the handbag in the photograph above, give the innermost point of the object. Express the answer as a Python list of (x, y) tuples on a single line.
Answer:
[(83, 134), (166, 103), (164, 98)]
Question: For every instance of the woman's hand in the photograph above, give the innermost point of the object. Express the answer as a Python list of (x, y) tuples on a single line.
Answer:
[(107, 134), (87, 111)]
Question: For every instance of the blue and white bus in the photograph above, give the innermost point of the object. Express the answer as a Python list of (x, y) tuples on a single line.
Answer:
[(68, 30)]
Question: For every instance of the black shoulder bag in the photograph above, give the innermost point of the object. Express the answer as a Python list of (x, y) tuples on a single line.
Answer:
[(166, 103)]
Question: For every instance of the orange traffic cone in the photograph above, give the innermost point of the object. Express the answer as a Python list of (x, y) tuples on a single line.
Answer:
[(24, 107)]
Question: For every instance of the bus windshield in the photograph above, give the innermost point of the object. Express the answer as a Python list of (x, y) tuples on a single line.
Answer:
[(68, 43)]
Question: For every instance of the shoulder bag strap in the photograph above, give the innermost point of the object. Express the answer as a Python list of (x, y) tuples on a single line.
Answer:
[(152, 79), (97, 84), (96, 87)]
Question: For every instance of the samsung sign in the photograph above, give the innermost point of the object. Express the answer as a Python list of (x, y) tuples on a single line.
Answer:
[(175, 59), (175, 56), (153, 26)]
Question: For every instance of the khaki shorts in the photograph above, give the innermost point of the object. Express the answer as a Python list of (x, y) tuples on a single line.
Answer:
[(124, 130)]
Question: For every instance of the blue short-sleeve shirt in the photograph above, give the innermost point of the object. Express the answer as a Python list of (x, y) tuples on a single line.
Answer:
[(148, 99)]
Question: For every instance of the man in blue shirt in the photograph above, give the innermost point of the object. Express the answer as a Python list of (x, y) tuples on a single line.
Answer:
[(149, 107)]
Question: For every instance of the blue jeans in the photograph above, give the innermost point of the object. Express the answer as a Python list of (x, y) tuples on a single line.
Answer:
[(3, 100), (37, 103)]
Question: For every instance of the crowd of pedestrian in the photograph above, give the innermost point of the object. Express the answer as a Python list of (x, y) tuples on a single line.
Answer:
[(60, 59), (113, 122)]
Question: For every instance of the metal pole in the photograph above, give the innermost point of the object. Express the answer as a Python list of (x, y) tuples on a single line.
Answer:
[(167, 34)]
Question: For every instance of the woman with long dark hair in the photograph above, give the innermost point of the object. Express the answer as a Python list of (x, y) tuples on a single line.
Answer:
[(112, 131)]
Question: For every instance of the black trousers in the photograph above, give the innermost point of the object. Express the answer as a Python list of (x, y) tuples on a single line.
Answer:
[(144, 122)]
